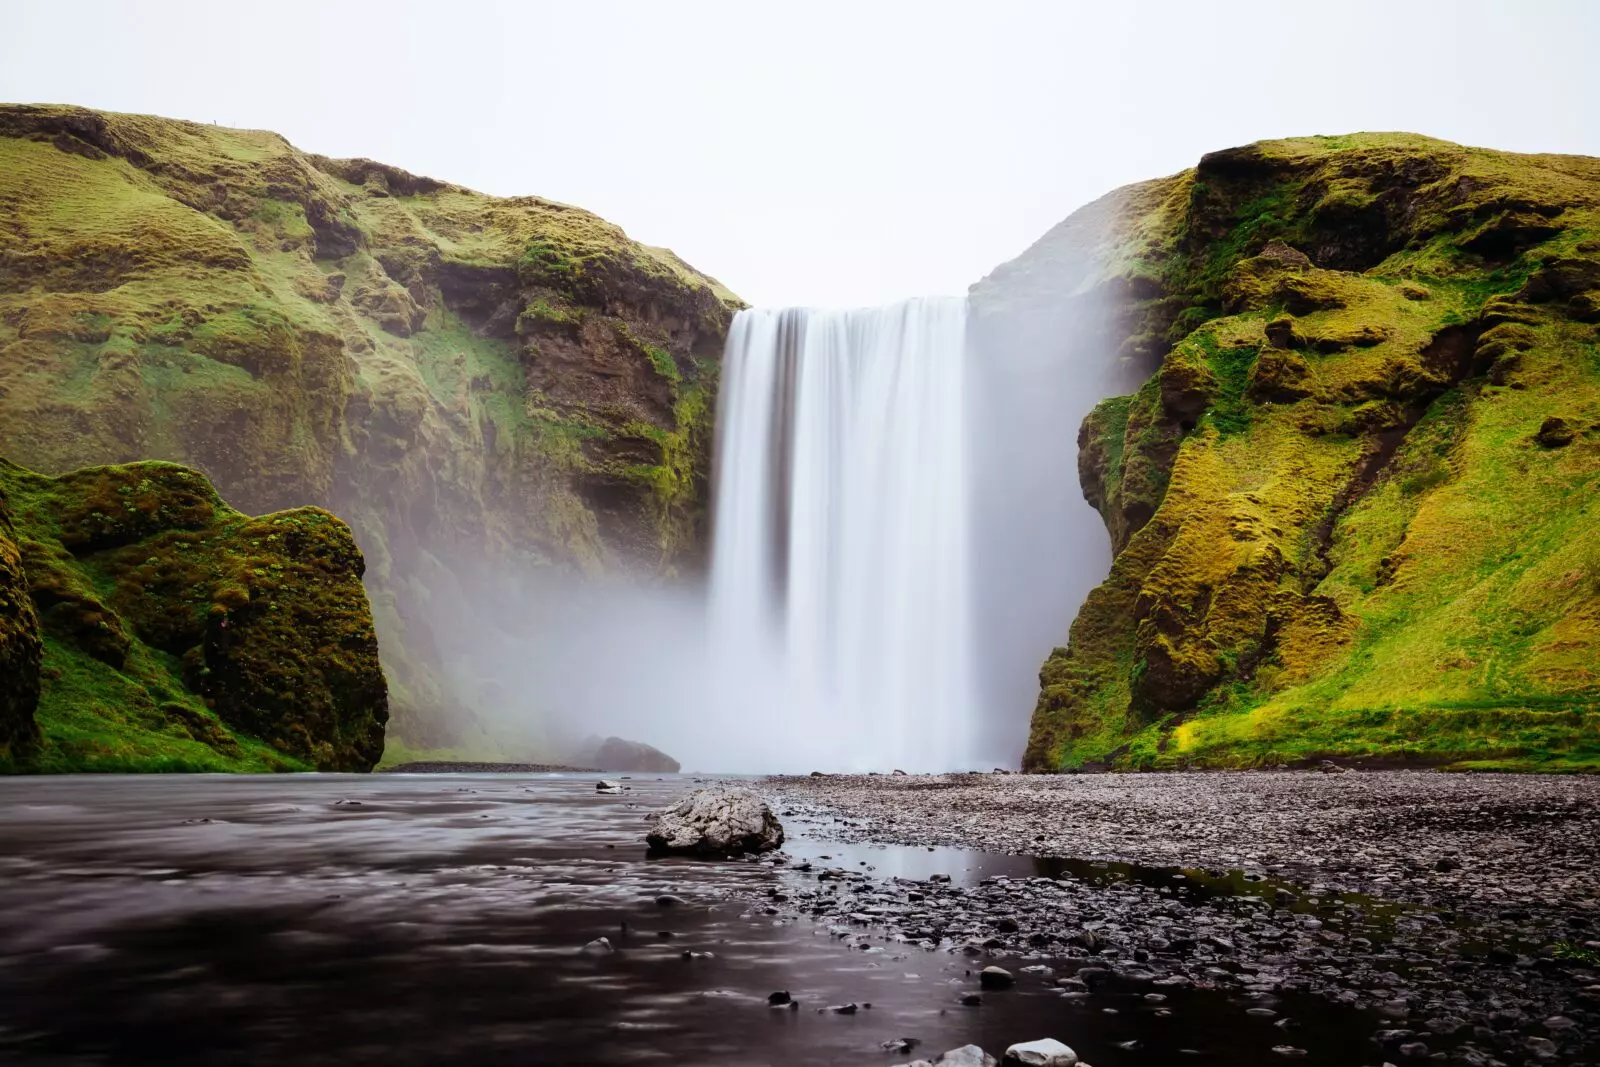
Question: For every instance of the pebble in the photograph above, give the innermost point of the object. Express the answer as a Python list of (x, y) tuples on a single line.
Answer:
[(1329, 884)]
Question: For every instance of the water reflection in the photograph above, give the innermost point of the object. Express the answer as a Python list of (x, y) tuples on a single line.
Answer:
[(339, 920)]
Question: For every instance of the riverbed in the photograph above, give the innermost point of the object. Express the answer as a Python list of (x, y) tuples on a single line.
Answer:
[(406, 919)]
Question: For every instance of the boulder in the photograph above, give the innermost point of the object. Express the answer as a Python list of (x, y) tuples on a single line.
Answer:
[(617, 754), (1045, 1052), (966, 1056), (996, 978), (716, 821), (1555, 432)]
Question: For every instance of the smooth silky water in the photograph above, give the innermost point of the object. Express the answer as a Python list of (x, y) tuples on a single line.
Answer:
[(410, 920), (840, 599)]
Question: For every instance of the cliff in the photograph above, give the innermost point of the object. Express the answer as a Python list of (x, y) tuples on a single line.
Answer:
[(484, 388), (1353, 502), (177, 633)]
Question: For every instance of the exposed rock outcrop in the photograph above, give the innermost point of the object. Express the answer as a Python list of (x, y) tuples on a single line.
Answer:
[(717, 821), (181, 634), (1351, 503), (484, 388), (616, 754)]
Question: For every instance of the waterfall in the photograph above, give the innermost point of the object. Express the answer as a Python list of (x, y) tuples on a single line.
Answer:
[(840, 579)]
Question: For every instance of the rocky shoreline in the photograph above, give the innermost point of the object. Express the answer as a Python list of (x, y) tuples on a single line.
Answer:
[(1460, 914)]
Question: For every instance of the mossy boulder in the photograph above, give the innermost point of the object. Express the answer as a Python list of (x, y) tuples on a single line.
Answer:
[(1353, 503), (20, 647), (481, 386), (179, 633)]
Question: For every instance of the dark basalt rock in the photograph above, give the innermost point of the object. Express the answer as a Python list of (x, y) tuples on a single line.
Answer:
[(1555, 432)]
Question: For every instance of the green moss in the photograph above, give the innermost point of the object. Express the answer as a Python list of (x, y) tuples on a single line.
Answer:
[(663, 363), (1354, 548), (182, 635), (309, 330), (1230, 368)]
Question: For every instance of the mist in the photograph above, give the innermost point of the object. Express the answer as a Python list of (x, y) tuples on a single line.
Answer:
[(538, 662)]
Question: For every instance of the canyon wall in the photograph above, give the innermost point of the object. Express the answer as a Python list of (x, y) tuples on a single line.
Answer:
[(488, 390), (1353, 501)]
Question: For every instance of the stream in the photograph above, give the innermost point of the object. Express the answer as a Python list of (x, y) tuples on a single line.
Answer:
[(402, 919)]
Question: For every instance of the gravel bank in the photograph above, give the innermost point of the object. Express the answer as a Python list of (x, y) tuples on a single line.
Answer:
[(1466, 840), (1461, 913)]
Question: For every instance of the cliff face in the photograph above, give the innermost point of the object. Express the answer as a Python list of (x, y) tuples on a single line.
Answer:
[(179, 634), (480, 386), (1354, 502)]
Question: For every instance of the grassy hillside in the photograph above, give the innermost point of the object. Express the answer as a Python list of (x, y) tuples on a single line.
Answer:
[(1355, 502), (479, 386), (178, 634)]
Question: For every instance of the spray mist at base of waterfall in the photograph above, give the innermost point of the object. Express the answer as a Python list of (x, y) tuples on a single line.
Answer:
[(899, 541)]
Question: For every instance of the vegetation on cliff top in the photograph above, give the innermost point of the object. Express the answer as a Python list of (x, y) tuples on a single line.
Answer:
[(179, 634), (1354, 503), (463, 378)]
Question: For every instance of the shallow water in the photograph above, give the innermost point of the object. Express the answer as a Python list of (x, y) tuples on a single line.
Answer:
[(424, 919)]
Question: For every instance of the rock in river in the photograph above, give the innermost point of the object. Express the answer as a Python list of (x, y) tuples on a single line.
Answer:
[(996, 978), (717, 821), (1045, 1052), (966, 1056)]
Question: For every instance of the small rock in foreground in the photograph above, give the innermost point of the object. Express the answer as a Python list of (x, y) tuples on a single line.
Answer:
[(1045, 1052), (996, 978), (966, 1056), (717, 821)]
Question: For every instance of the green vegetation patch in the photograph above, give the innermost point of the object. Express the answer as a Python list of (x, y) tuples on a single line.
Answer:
[(182, 635)]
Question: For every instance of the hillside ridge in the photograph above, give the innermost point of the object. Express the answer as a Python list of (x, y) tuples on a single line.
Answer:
[(1352, 496), (489, 390)]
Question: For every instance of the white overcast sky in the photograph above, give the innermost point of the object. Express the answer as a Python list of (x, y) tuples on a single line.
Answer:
[(821, 153)]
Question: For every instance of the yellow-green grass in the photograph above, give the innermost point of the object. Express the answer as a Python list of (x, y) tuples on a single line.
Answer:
[(1340, 531)]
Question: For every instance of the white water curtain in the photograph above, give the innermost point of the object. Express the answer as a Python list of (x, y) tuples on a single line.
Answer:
[(840, 568)]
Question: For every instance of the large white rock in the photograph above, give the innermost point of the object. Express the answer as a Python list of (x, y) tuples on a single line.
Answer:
[(966, 1056), (1045, 1052), (717, 821)]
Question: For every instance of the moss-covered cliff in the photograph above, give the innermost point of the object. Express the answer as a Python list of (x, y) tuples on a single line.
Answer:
[(1354, 504), (177, 633), (479, 386), (20, 647)]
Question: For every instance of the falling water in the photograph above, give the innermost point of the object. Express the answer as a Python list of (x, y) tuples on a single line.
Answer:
[(840, 570)]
